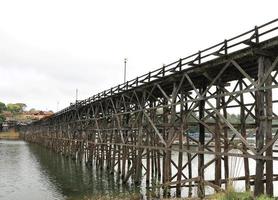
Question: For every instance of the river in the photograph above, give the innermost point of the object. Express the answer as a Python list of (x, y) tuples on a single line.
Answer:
[(32, 172)]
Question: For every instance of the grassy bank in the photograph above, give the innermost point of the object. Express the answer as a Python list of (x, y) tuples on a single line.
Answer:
[(11, 135), (229, 194), (238, 196)]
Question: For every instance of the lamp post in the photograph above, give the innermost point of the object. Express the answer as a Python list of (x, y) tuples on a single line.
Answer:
[(125, 69), (76, 95)]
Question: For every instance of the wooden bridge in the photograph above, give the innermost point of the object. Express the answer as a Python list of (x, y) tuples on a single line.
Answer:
[(162, 125)]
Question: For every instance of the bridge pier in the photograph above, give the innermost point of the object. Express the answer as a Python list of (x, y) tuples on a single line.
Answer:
[(264, 128), (269, 114)]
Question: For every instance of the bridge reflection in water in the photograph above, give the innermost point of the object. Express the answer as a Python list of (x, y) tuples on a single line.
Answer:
[(134, 128), (75, 180), (31, 172)]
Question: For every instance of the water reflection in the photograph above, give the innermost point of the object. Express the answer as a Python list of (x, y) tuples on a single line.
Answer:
[(31, 172), (74, 179), (21, 174)]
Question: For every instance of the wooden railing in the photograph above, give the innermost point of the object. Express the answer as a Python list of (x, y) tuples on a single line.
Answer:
[(250, 38)]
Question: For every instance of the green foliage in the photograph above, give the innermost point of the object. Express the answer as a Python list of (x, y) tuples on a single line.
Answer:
[(13, 108), (21, 105), (2, 118), (2, 107), (233, 118), (231, 194), (16, 108), (264, 197), (115, 196)]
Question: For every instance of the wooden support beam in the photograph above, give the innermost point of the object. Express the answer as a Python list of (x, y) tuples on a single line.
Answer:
[(180, 156), (201, 188), (260, 131), (243, 132), (269, 113), (218, 168), (226, 143)]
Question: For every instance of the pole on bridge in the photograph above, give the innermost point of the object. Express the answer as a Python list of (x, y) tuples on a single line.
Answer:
[(76, 95), (125, 61)]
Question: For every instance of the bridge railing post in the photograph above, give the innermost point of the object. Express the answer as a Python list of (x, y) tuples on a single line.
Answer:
[(257, 35), (226, 47)]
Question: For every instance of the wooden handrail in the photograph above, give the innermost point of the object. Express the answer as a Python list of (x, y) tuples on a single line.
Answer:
[(181, 64)]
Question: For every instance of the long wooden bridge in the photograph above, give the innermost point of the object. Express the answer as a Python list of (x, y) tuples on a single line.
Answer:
[(162, 125)]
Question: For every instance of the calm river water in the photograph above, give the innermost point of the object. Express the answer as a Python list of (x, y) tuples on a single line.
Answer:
[(31, 172)]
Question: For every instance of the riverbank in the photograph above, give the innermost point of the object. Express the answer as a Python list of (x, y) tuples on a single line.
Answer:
[(215, 197), (133, 197), (229, 194), (10, 135)]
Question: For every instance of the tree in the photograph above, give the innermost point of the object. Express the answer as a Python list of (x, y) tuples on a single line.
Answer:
[(2, 118), (16, 107), (13, 108), (2, 107), (22, 106)]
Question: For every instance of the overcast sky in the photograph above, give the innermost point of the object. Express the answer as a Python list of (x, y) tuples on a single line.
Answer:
[(50, 48)]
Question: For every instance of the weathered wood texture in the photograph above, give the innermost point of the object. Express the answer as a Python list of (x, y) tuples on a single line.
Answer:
[(174, 125)]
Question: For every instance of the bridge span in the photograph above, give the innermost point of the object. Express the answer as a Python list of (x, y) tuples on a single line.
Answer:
[(132, 130)]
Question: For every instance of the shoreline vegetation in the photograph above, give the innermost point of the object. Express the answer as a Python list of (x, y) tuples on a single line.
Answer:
[(9, 135), (229, 194), (222, 196)]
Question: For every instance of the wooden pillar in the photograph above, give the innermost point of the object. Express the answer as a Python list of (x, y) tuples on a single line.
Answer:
[(114, 147), (165, 136), (217, 142), (226, 144), (148, 166), (149, 137), (269, 151), (123, 157), (109, 158), (119, 148), (260, 131), (139, 151), (103, 147), (157, 161), (201, 188), (243, 133), (189, 157), (180, 156)]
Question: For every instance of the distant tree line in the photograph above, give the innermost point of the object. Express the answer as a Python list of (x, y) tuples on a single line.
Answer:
[(14, 108), (2, 108)]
